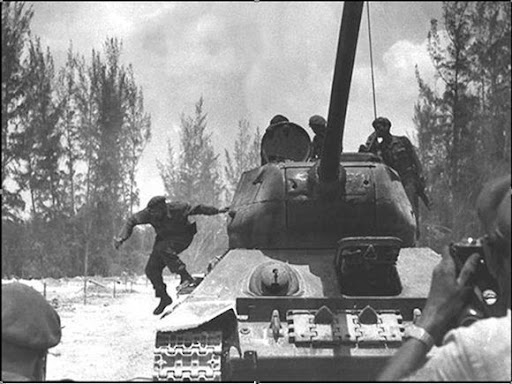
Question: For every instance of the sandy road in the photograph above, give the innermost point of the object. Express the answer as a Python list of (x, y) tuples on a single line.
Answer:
[(109, 339)]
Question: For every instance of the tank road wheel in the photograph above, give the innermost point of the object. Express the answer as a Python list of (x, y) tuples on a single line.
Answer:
[(188, 356)]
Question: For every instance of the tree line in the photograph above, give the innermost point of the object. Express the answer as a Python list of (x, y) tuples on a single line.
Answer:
[(71, 141), (193, 173), (463, 120), (72, 138)]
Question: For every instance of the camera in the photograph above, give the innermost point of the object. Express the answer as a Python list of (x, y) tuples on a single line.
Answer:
[(461, 251), (486, 287)]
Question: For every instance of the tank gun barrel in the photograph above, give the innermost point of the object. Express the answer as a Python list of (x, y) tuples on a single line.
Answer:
[(347, 43)]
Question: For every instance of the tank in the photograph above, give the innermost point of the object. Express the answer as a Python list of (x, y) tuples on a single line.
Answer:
[(322, 274)]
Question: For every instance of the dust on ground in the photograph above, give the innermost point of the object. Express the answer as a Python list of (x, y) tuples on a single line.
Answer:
[(108, 338)]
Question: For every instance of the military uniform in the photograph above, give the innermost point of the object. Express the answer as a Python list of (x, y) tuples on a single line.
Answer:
[(398, 153), (174, 233), (30, 326), (319, 126), (316, 146)]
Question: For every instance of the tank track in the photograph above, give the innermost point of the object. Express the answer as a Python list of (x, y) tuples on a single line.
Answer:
[(188, 356)]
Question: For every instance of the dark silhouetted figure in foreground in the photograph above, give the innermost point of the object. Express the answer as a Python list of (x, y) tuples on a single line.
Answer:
[(479, 352), (30, 326)]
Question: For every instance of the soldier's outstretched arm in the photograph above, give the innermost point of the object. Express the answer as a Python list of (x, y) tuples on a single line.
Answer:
[(202, 209), (141, 217), (370, 143)]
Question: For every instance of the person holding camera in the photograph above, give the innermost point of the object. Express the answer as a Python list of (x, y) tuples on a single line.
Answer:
[(482, 350)]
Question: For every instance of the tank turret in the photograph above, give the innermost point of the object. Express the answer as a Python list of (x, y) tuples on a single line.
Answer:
[(289, 202), (321, 275)]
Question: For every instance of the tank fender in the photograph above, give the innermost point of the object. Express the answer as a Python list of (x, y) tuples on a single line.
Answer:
[(191, 315)]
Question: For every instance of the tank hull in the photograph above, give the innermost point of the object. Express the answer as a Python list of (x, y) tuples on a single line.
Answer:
[(262, 337)]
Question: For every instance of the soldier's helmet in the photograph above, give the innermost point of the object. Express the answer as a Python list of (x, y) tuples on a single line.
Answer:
[(156, 202), (381, 120), (317, 124), (317, 120), (278, 119), (28, 321)]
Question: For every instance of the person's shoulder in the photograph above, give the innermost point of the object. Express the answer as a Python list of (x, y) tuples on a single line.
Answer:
[(140, 215), (403, 139), (487, 346), (493, 324), (489, 336), (178, 205), (8, 376)]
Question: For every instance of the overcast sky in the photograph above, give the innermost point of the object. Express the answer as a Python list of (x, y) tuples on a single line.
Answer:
[(249, 60)]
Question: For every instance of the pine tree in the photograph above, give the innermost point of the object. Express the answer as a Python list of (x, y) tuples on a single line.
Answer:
[(192, 175), (111, 161), (136, 134), (16, 19), (41, 148), (69, 125), (471, 115), (246, 155), (73, 143), (491, 69), (38, 159)]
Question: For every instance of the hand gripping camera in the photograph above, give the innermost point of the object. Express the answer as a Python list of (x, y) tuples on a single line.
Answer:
[(485, 295)]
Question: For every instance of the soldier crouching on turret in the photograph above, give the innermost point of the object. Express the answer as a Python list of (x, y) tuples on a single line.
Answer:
[(174, 233), (398, 153)]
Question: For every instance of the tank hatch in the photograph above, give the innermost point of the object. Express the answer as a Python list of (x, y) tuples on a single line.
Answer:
[(285, 141), (274, 278), (366, 266)]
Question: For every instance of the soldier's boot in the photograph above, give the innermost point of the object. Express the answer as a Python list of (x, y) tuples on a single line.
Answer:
[(186, 278), (165, 300)]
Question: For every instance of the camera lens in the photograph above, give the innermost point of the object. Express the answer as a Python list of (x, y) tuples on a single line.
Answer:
[(490, 297)]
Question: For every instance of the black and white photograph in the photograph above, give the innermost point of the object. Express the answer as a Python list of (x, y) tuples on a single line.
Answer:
[(256, 191)]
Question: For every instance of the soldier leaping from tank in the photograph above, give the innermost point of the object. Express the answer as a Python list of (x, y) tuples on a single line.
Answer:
[(174, 233), (398, 153)]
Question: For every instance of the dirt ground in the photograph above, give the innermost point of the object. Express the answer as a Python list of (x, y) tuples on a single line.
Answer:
[(109, 338)]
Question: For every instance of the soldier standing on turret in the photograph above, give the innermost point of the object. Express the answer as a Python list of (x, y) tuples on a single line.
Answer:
[(398, 153), (174, 233), (319, 127)]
